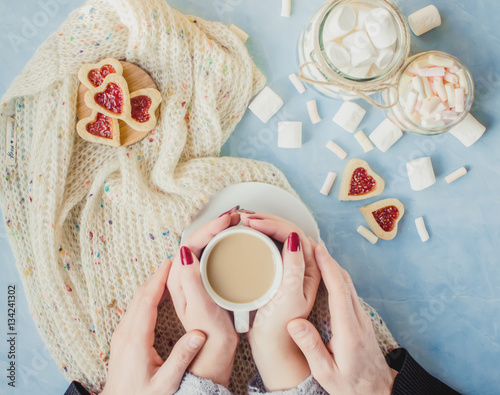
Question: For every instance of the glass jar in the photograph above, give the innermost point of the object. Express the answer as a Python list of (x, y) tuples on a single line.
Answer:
[(325, 77), (403, 120)]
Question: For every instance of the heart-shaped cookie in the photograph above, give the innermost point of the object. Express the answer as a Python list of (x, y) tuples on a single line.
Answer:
[(99, 128), (359, 181), (111, 98), (144, 103), (92, 75), (383, 217)]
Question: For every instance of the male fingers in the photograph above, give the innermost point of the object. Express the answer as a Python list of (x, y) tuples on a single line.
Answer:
[(307, 338), (169, 376)]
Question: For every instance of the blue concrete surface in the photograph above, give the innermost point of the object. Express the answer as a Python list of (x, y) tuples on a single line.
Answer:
[(441, 298)]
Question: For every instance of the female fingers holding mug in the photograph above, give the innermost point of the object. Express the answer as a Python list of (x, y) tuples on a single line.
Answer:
[(197, 310), (280, 362)]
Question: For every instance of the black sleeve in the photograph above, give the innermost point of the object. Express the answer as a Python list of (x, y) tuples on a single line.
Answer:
[(76, 388), (412, 379)]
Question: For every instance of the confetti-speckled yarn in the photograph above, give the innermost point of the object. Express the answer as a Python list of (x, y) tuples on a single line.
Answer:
[(89, 223)]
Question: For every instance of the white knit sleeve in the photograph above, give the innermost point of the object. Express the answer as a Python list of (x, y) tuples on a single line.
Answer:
[(308, 387), (192, 384)]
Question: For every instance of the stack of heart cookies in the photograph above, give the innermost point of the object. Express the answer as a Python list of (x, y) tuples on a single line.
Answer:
[(109, 100)]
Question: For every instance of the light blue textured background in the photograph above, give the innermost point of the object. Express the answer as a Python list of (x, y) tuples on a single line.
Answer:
[(441, 298)]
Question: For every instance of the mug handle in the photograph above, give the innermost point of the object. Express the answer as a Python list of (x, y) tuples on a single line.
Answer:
[(242, 321)]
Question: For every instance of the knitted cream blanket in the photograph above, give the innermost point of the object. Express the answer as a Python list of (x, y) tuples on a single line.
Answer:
[(89, 223)]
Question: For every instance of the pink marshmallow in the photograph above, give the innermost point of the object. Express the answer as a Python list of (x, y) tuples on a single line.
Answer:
[(459, 99), (432, 72), (439, 85), (451, 78)]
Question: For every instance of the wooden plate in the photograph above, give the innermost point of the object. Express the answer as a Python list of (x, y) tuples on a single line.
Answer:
[(137, 79)]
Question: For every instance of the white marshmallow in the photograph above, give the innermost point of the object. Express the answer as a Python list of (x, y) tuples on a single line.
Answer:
[(421, 173), (339, 22), (349, 116), (417, 84), (286, 8), (338, 55), (456, 175), (243, 36), (266, 104), (449, 115), (433, 124), (451, 78), (362, 51), (297, 83), (384, 58), (429, 106), (468, 131), (385, 135), (312, 109), (364, 141), (439, 86), (427, 88), (327, 186), (432, 72), (367, 234), (362, 14), (424, 20), (421, 229), (289, 134), (358, 72), (405, 81), (336, 150), (459, 100), (450, 93), (381, 28), (439, 61), (462, 80), (410, 102)]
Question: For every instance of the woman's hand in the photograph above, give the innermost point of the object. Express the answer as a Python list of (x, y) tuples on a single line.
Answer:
[(351, 362), (135, 367), (280, 362), (197, 310)]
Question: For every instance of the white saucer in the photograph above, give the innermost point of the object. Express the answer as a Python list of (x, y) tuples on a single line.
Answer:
[(258, 197)]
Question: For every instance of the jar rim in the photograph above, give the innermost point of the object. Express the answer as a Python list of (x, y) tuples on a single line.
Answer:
[(469, 99)]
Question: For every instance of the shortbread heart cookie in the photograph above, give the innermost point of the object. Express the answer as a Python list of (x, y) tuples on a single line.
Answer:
[(383, 217), (111, 98), (99, 128), (360, 181), (92, 75), (143, 104)]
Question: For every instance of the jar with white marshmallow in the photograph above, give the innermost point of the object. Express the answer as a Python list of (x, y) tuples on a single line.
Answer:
[(436, 92), (354, 48)]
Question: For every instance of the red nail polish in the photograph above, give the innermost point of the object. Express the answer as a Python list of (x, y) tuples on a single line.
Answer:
[(186, 257), (235, 208), (293, 242), (246, 211), (257, 218)]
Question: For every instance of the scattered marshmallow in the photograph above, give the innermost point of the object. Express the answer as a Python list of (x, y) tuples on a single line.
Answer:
[(456, 175), (367, 234), (289, 134), (327, 186), (312, 108), (381, 28), (424, 20), (297, 83), (385, 135), (336, 150), (340, 22), (421, 173), (421, 229), (240, 33), (286, 8), (364, 141), (266, 104), (349, 116), (468, 131)]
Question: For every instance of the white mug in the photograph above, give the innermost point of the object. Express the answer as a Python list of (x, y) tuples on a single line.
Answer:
[(242, 310)]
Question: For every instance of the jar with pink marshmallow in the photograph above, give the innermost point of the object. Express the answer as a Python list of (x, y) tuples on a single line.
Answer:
[(435, 93)]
